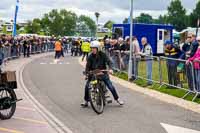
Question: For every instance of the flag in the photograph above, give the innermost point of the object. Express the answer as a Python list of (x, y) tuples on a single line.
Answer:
[(15, 19)]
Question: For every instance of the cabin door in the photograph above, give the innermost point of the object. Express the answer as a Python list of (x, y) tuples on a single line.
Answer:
[(160, 41)]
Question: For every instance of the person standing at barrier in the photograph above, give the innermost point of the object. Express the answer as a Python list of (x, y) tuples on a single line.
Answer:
[(147, 53), (12, 47), (192, 49), (184, 55), (136, 56), (107, 46), (85, 49), (172, 52), (196, 63), (122, 54), (26, 47), (114, 53), (18, 46), (125, 50), (188, 50)]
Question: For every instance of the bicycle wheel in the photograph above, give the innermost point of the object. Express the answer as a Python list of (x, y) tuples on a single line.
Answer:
[(96, 100), (7, 103)]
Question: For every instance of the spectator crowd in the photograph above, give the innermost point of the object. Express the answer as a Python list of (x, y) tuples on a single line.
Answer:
[(178, 59)]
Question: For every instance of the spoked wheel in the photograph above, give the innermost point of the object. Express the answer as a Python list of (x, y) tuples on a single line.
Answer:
[(96, 100), (7, 103)]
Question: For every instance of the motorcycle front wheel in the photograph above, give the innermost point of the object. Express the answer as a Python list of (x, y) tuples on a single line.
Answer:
[(96, 100)]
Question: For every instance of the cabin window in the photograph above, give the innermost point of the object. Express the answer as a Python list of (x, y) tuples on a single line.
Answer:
[(160, 35), (119, 31)]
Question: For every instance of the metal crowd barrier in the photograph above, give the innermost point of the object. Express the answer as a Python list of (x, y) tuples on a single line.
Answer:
[(148, 69), (161, 70), (8, 52), (196, 78)]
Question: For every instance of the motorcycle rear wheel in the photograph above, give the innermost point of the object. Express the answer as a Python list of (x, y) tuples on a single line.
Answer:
[(10, 103)]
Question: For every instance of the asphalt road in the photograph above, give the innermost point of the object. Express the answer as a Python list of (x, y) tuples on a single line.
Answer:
[(60, 88)]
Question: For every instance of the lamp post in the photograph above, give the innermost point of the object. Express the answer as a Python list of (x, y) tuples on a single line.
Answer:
[(97, 15), (131, 43), (197, 29)]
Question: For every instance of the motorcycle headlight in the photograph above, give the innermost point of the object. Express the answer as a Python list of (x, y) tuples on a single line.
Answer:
[(94, 82)]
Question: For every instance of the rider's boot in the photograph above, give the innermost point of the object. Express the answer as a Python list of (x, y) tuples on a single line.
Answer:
[(120, 102), (85, 104)]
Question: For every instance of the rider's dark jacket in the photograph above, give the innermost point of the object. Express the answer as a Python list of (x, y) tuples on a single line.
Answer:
[(99, 61)]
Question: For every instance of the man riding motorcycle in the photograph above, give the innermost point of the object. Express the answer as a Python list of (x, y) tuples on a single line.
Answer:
[(99, 60)]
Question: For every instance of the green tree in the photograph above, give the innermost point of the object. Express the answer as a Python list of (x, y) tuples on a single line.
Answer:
[(88, 25), (144, 18), (33, 26), (177, 15), (195, 15), (109, 24), (161, 19), (125, 21), (59, 23), (69, 22)]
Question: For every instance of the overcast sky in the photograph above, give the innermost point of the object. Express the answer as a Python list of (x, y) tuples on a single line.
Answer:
[(115, 10)]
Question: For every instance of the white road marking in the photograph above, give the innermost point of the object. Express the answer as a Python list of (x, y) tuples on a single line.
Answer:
[(176, 129), (55, 63), (43, 63), (52, 63)]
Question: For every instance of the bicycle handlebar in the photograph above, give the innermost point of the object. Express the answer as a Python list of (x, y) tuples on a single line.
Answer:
[(96, 72)]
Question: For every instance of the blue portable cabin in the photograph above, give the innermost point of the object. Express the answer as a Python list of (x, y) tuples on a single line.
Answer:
[(155, 33)]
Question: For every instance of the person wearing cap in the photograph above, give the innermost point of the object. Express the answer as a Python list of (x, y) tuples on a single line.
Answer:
[(98, 60), (85, 49), (171, 51), (196, 63)]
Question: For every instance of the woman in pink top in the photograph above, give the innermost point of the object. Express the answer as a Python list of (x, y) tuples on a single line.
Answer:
[(196, 62)]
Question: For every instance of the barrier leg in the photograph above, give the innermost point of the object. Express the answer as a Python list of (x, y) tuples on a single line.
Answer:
[(195, 97), (186, 95)]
